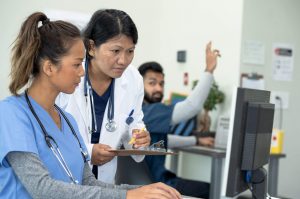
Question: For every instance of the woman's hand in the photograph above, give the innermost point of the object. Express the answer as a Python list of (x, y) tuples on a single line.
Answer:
[(154, 191), (211, 58), (142, 138), (101, 155)]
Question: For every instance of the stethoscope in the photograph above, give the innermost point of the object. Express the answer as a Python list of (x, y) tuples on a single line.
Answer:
[(111, 125), (52, 143)]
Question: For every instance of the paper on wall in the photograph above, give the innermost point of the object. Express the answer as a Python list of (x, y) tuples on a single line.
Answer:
[(283, 61), (253, 52)]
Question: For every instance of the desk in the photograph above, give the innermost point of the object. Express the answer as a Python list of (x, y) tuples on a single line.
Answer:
[(216, 168), (189, 197), (273, 173)]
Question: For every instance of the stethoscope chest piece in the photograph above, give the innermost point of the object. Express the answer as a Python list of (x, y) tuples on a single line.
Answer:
[(111, 126), (85, 154)]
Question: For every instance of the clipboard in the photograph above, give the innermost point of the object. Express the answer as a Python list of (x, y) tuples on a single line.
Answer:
[(128, 152), (252, 80)]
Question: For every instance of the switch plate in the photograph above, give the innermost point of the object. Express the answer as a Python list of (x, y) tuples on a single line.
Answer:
[(284, 98), (181, 56)]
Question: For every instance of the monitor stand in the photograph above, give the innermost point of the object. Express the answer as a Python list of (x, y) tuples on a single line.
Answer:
[(259, 183)]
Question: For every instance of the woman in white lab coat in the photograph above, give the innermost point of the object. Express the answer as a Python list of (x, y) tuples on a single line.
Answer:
[(107, 104)]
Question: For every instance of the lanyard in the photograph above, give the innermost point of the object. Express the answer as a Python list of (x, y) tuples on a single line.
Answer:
[(52, 143)]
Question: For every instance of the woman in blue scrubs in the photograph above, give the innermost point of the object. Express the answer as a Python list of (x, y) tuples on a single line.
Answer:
[(42, 154)]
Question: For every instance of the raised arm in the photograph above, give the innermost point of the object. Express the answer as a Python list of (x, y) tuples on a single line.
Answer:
[(193, 104)]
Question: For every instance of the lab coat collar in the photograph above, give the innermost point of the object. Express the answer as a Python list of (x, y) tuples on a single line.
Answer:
[(84, 104), (121, 84)]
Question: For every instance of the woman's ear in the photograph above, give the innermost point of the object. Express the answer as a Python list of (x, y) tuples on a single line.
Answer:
[(48, 68), (91, 48)]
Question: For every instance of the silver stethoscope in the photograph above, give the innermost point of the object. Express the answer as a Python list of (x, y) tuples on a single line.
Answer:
[(52, 143), (111, 125)]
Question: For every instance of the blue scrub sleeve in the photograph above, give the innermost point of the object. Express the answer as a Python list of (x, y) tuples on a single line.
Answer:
[(16, 131), (157, 117)]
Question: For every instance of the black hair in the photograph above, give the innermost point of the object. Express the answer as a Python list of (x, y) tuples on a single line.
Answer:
[(35, 43), (150, 66), (106, 24)]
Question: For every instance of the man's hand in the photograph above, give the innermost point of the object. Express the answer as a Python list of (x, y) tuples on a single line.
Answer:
[(206, 141), (211, 58), (101, 155)]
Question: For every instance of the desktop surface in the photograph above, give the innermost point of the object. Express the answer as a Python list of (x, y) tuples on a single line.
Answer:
[(202, 150), (189, 197)]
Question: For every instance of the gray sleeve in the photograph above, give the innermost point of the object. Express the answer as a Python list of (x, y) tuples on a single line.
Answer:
[(175, 141), (89, 179), (193, 104), (37, 181)]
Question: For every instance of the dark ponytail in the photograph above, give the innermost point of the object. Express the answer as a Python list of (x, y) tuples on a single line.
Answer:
[(50, 40)]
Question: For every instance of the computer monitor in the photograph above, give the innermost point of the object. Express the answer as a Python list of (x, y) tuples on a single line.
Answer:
[(249, 142)]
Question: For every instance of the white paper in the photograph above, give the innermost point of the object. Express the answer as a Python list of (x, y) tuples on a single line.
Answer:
[(253, 52), (283, 61), (253, 83), (222, 132)]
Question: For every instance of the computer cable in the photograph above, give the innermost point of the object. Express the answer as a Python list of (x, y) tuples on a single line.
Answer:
[(280, 111)]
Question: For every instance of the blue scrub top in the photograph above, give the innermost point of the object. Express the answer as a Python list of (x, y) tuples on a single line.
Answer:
[(20, 131), (157, 118)]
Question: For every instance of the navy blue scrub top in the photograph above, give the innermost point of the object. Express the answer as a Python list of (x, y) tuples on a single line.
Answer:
[(157, 118), (100, 103)]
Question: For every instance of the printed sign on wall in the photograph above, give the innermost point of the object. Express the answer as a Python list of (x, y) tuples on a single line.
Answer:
[(283, 62)]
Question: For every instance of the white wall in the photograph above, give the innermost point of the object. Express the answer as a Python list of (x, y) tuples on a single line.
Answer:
[(189, 25), (271, 21)]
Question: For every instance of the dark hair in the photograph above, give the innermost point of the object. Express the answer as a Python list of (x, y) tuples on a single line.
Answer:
[(106, 24), (150, 66), (35, 43)]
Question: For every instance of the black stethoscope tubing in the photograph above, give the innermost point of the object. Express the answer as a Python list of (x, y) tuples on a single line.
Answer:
[(49, 138), (88, 91)]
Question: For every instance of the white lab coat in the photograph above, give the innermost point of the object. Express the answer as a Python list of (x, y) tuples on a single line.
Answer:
[(128, 96)]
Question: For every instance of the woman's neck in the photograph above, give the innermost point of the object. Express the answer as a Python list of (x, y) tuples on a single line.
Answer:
[(99, 80), (43, 95)]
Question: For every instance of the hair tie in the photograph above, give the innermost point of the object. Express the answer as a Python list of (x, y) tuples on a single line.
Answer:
[(46, 21)]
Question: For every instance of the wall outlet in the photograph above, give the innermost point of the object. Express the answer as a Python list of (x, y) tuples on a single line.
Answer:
[(284, 96)]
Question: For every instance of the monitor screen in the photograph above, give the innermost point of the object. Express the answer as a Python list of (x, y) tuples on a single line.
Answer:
[(249, 139)]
